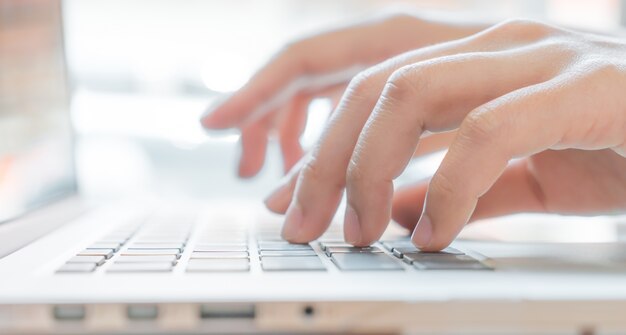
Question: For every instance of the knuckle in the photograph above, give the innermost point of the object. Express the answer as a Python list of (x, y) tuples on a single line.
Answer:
[(360, 175), (442, 186), (311, 171), (292, 49), (480, 126), (522, 28), (566, 48), (603, 69), (314, 173), (401, 18), (594, 70), (405, 82), (354, 174), (361, 84), (295, 54)]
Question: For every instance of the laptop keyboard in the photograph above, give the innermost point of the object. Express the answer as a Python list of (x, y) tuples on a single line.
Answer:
[(165, 245)]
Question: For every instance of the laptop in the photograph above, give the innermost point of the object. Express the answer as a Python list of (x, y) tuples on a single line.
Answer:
[(148, 265)]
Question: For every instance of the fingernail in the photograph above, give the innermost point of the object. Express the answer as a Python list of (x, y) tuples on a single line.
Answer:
[(270, 198), (293, 222), (423, 232), (351, 226)]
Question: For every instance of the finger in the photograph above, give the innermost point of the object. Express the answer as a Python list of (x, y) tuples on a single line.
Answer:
[(407, 204), (489, 137), (335, 97), (311, 64), (515, 191), (281, 196), (290, 129), (293, 122), (253, 143), (433, 95), (320, 185), (279, 199), (286, 75)]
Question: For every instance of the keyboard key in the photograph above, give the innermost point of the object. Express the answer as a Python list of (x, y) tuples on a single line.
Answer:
[(142, 312), (220, 247), (134, 248), (161, 240), (166, 238), (69, 312), (131, 252), (146, 259), (365, 262), (219, 254), (218, 265), (332, 250), (281, 245), (77, 268), (409, 258), (231, 243), (338, 244), (287, 253), (399, 251), (224, 236), (112, 245), (98, 260), (397, 244), (295, 263), (107, 253), (141, 267), (451, 265), (144, 245)]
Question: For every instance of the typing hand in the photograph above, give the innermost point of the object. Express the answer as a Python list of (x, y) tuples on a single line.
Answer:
[(552, 98), (275, 100)]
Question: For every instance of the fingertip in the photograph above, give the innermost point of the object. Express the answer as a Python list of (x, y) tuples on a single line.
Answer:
[(351, 226), (426, 238), (246, 171), (293, 223), (273, 207), (278, 200), (422, 234), (220, 112), (249, 163), (211, 122)]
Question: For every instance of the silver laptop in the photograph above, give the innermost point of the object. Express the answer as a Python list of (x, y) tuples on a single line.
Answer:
[(148, 265)]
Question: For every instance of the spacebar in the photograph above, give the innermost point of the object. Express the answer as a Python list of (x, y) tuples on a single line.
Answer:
[(365, 262)]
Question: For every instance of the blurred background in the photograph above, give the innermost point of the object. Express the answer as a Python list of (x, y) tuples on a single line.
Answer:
[(144, 71)]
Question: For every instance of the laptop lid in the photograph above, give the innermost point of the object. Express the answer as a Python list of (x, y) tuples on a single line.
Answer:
[(36, 163)]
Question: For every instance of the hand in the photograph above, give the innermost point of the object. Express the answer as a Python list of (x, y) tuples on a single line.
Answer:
[(551, 97), (277, 97)]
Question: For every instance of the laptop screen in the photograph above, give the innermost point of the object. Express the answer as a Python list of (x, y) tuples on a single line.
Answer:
[(36, 164)]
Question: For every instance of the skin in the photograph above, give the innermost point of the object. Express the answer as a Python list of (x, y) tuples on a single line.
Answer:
[(533, 117)]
